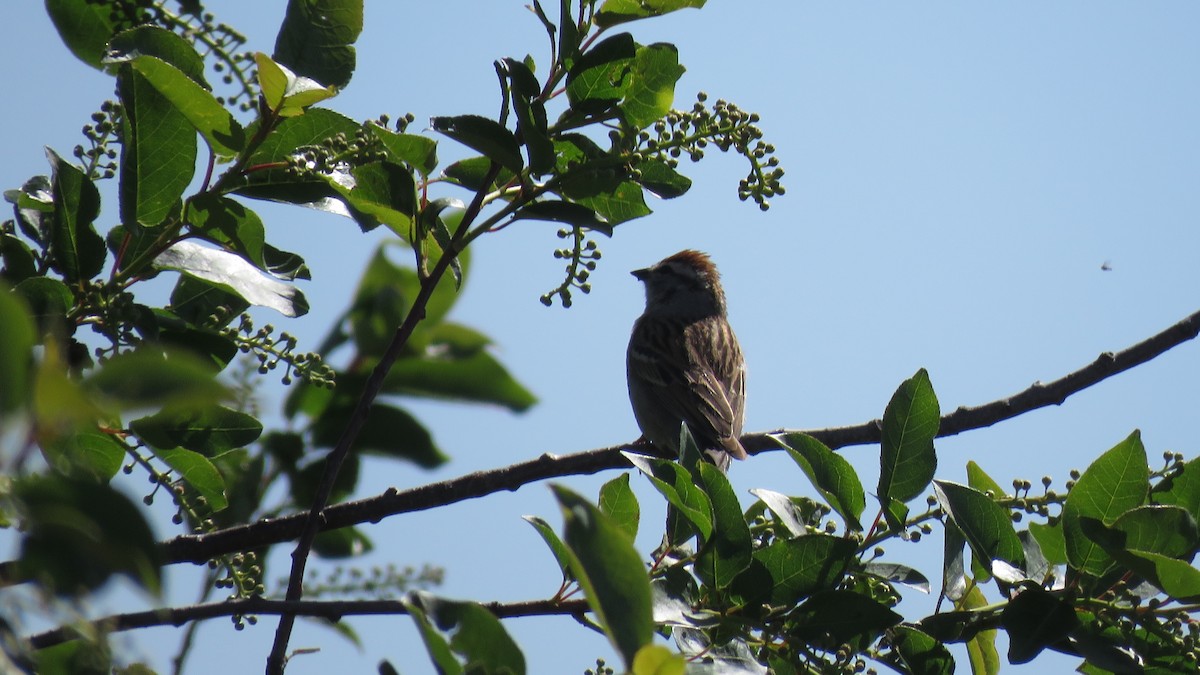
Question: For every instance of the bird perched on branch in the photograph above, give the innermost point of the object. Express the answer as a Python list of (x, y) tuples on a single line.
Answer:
[(684, 363)]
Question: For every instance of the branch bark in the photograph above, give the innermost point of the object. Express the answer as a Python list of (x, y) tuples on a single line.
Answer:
[(334, 610)]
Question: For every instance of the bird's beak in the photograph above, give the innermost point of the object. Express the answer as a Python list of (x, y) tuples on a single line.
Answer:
[(641, 274)]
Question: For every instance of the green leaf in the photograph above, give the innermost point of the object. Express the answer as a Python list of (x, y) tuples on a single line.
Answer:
[(727, 552), (846, 617), (659, 178), (600, 77), (386, 191), (910, 423), (472, 172), (475, 634), (675, 484), (618, 502), (1034, 620), (898, 574), (196, 301), (344, 542), (159, 43), (984, 523), (16, 352), (979, 479), (981, 647), (1176, 578), (158, 152), (229, 223), (561, 555), (610, 572), (145, 377), (613, 12), (78, 533), (84, 454), (85, 28), (206, 115), (17, 260), (483, 135), (788, 570), (566, 212), (388, 432), (285, 92), (477, 378), (658, 660), (235, 274), (651, 90), (417, 151), (1165, 530), (830, 474), (199, 473), (48, 301), (1116, 482), (435, 644), (77, 250), (316, 39), (1051, 540), (208, 430), (921, 653), (1181, 488)]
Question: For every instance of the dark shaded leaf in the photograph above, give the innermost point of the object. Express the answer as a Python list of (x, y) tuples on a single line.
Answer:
[(344, 542), (788, 570), (388, 432), (76, 249), (600, 77), (841, 617), (983, 522), (146, 378), (921, 653), (316, 39), (566, 212), (483, 135), (16, 352), (675, 484), (659, 178), (160, 44), (209, 430), (78, 533), (613, 12), (1036, 619), (85, 28), (417, 151), (48, 301)]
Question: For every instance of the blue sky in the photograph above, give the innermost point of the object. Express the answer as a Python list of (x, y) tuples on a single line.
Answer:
[(957, 174)]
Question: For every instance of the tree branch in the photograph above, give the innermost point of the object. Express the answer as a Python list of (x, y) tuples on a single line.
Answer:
[(202, 547), (312, 522), (333, 610)]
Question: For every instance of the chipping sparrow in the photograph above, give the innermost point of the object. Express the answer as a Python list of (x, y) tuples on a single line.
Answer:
[(684, 363)]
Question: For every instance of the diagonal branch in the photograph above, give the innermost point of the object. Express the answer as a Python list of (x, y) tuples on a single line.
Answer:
[(333, 610), (312, 523)]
